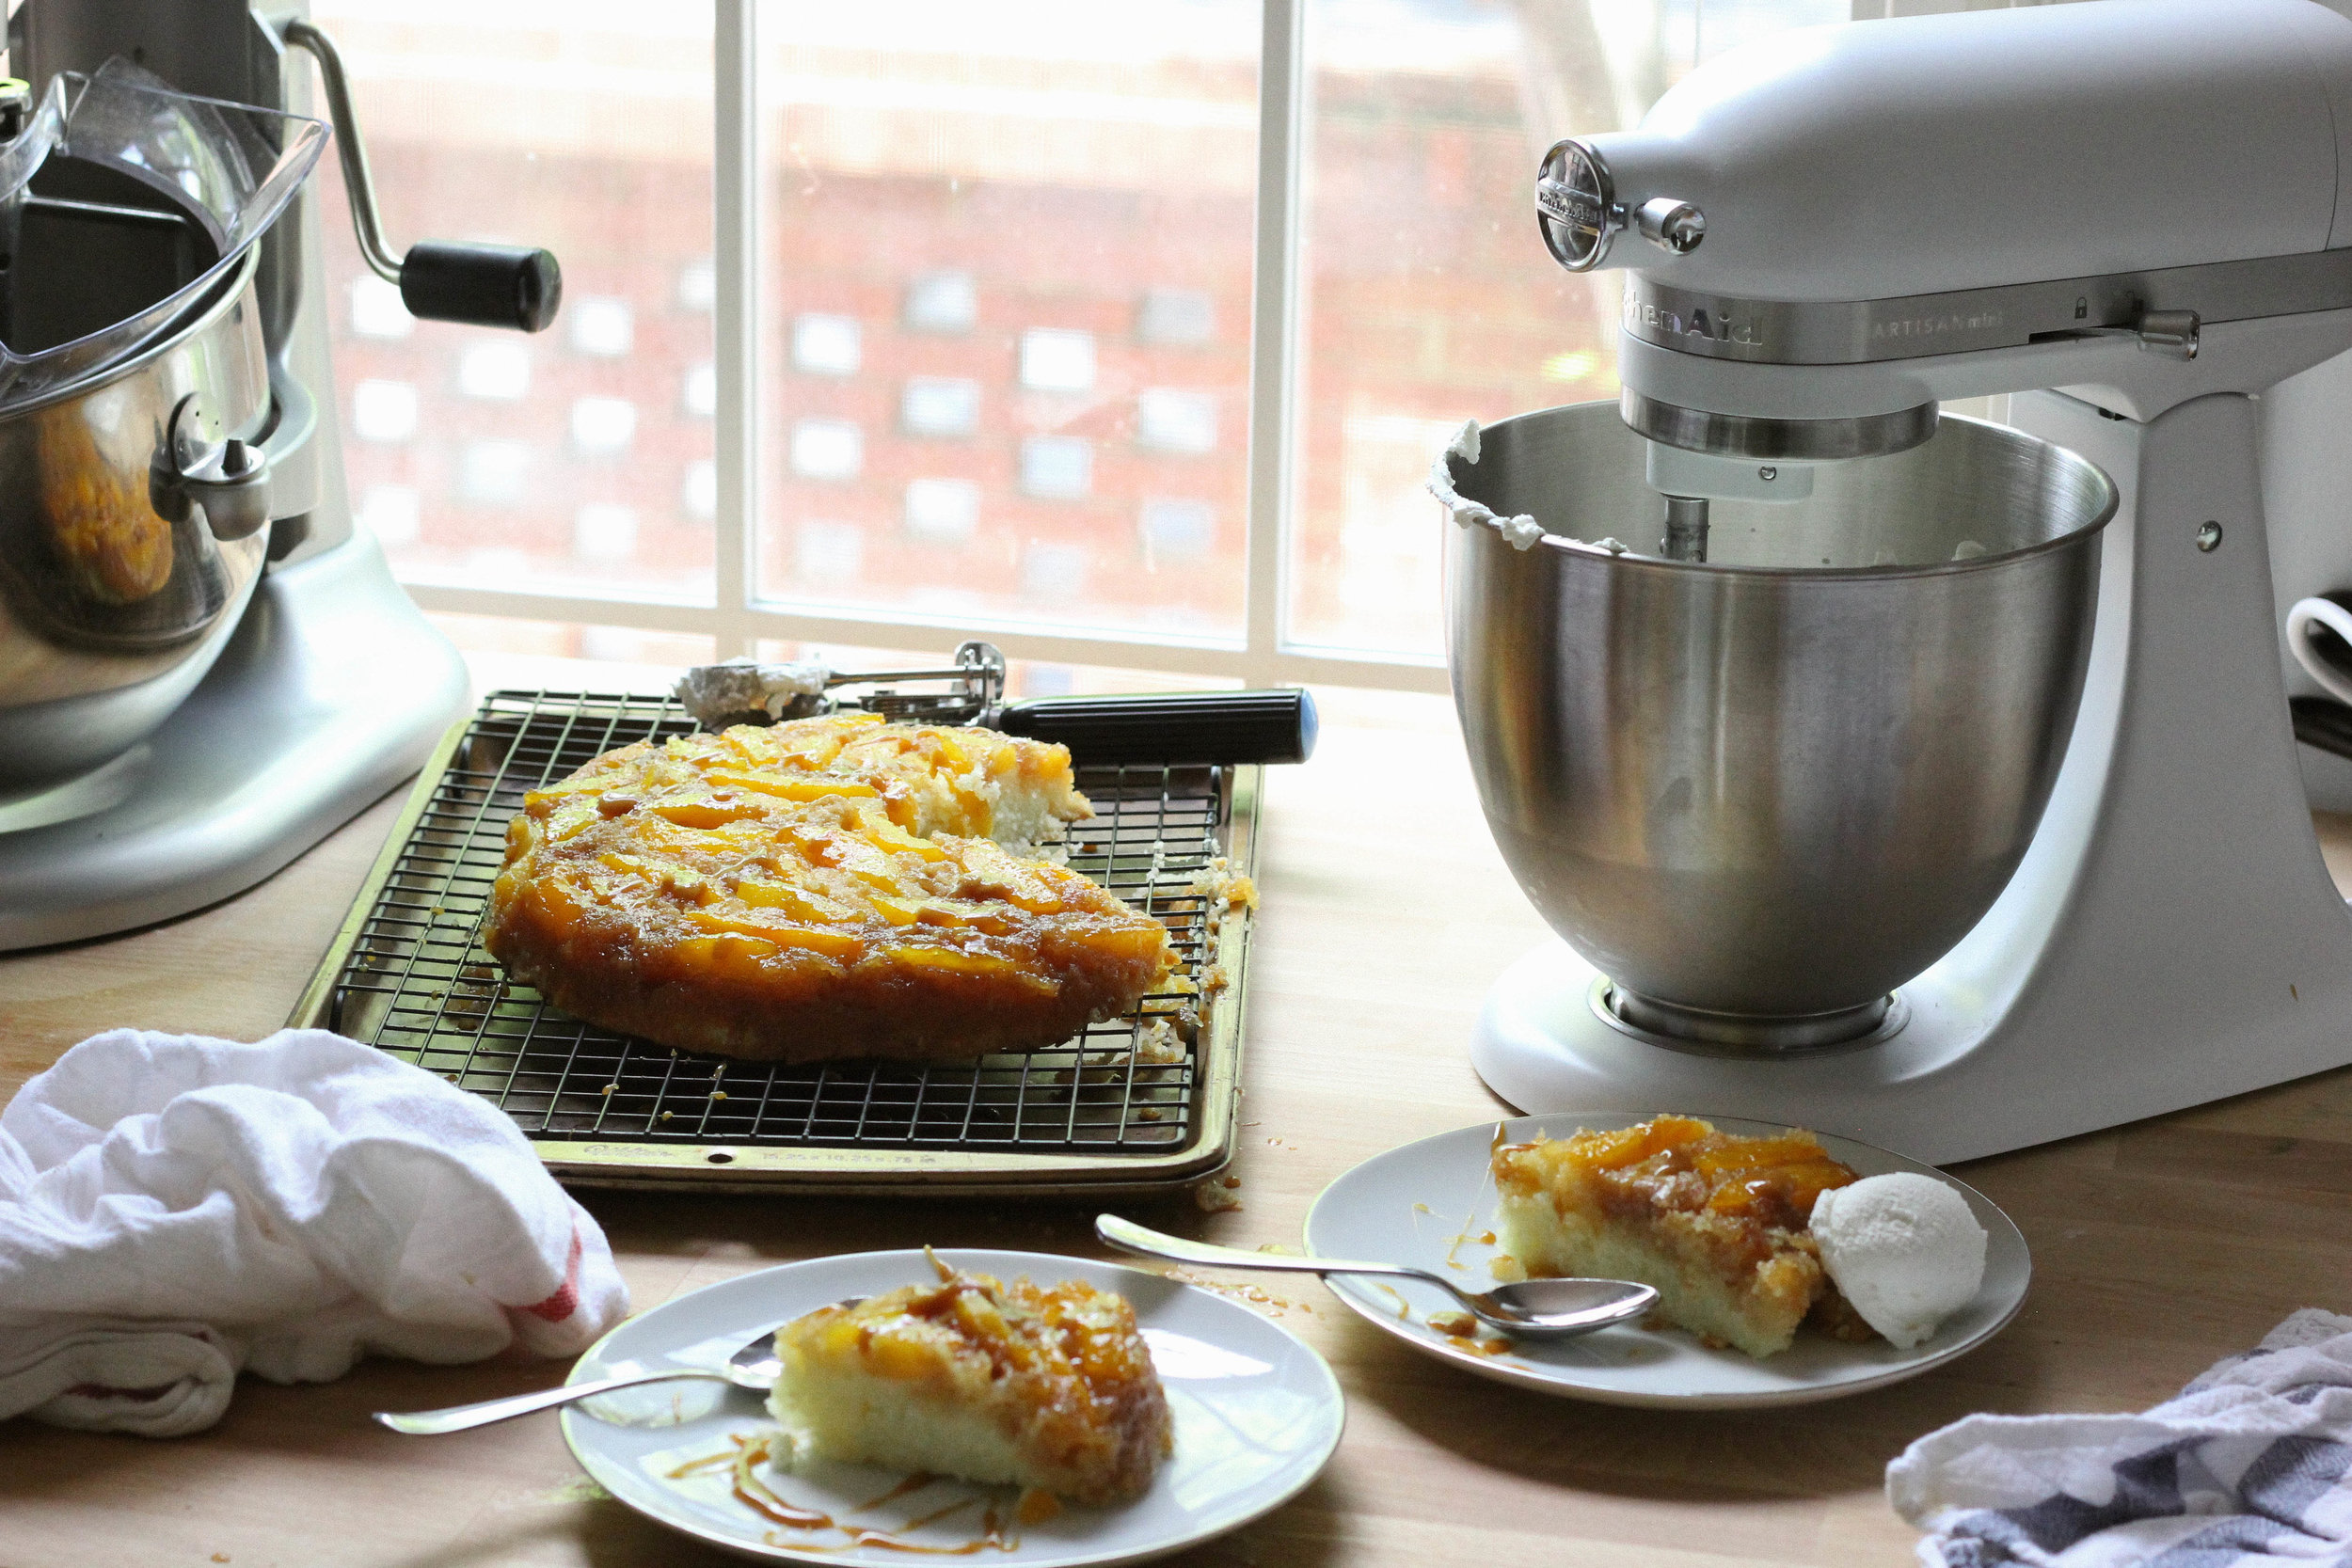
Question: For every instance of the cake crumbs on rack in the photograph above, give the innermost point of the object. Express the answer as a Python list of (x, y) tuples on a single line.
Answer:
[(1156, 1045), (1217, 884)]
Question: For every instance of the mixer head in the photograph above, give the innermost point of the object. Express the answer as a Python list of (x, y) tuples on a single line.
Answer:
[(1830, 230), (1845, 225)]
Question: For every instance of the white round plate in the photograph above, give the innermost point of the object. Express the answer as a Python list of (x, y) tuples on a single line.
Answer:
[(1411, 1204), (1256, 1413)]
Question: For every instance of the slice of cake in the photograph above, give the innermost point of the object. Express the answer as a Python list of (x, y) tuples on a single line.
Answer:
[(826, 888), (1717, 1222), (1046, 1387)]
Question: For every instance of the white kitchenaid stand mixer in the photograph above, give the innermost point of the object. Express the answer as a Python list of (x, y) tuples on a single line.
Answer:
[(2171, 172)]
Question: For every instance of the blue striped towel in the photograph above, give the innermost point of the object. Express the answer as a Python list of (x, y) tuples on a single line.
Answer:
[(2250, 1467)]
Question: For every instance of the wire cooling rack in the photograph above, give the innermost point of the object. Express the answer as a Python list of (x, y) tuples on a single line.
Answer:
[(1138, 1100)]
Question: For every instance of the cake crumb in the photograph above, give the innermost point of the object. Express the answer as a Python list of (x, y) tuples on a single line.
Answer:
[(1035, 1506), (1214, 1196), (1223, 890), (1454, 1322), (1159, 1046), (220, 1556), (1506, 1269)]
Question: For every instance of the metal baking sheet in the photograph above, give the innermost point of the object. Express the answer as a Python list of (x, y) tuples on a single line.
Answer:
[(1142, 1100)]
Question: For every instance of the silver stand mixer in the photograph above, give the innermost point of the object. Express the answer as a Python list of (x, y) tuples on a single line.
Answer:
[(1907, 778), (204, 667)]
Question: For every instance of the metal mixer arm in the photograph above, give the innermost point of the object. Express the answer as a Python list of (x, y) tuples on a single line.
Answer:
[(485, 285)]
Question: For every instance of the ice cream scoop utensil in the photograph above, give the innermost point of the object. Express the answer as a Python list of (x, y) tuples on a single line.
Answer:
[(1278, 725), (753, 1366), (1531, 1310)]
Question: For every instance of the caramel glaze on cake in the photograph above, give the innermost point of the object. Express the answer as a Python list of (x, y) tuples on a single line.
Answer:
[(827, 888), (1049, 1387), (1717, 1222)]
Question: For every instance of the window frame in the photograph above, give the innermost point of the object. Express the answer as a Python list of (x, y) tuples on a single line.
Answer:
[(736, 618)]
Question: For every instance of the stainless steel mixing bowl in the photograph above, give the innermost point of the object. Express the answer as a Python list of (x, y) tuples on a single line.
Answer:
[(115, 594), (1760, 793)]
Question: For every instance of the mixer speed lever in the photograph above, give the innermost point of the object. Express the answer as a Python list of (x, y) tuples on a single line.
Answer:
[(1673, 226)]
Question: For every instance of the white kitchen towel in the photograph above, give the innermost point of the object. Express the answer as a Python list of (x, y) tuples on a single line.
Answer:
[(174, 1209), (2249, 1467)]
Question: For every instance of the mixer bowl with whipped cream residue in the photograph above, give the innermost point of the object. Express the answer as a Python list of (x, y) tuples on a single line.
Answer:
[(1760, 792)]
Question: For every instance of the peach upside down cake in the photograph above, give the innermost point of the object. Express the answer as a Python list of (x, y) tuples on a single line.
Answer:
[(1716, 1222), (826, 888), (1048, 1387)]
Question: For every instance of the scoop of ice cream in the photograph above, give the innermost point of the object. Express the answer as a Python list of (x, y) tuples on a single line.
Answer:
[(1903, 1248)]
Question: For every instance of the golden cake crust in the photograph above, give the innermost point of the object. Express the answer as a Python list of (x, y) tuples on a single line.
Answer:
[(819, 889), (1716, 1222), (1061, 1372)]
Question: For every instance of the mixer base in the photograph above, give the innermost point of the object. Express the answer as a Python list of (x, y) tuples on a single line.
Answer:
[(1955, 1084), (332, 690)]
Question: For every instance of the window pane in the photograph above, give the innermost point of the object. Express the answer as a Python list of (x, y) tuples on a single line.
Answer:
[(578, 458), (1429, 299), (1008, 307)]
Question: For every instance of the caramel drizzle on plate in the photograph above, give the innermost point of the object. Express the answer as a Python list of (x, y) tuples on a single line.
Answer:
[(754, 1494)]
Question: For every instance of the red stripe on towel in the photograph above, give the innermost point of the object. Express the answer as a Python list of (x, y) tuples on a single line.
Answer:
[(567, 1298)]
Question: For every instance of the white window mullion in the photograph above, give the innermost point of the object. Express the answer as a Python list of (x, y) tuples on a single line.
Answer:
[(735, 223), (1274, 337)]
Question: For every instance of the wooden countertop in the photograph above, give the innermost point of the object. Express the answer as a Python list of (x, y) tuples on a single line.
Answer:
[(2157, 1249)]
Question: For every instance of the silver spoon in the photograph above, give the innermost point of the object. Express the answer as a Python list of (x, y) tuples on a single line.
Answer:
[(1531, 1310), (753, 1366)]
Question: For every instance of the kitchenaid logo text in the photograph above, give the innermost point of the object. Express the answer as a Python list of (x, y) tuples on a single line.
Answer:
[(1716, 326), (1568, 204), (1936, 326)]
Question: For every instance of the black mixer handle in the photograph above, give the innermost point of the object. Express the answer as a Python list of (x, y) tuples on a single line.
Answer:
[(448, 281), (1172, 726)]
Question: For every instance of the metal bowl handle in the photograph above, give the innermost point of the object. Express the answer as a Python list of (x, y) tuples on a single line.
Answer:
[(228, 481)]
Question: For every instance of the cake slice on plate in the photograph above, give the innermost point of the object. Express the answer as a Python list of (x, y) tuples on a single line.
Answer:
[(1046, 1387), (1715, 1222)]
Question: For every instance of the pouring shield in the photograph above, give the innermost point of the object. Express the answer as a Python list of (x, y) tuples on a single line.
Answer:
[(230, 168)]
